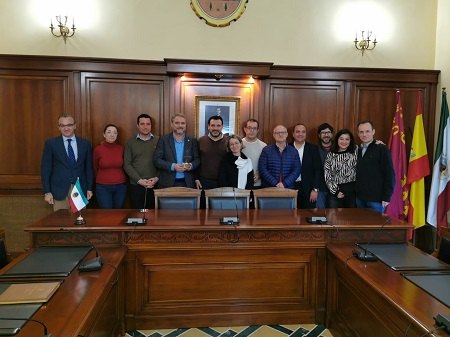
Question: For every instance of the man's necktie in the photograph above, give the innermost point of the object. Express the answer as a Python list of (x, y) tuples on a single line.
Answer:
[(364, 149), (70, 152)]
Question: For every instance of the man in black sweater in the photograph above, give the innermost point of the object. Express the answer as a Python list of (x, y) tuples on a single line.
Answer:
[(374, 172)]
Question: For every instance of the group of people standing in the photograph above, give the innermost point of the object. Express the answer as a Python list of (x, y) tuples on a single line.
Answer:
[(335, 173)]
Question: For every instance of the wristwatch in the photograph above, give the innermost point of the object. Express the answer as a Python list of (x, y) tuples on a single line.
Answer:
[(315, 189)]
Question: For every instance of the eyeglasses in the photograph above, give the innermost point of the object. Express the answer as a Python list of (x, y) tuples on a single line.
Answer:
[(278, 133), (325, 132), (66, 125), (251, 128)]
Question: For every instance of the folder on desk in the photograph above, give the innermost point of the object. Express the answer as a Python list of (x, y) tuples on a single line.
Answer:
[(33, 292), (434, 283), (49, 261), (21, 313), (402, 257)]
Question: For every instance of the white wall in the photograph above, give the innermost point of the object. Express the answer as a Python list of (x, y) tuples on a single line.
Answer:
[(287, 32)]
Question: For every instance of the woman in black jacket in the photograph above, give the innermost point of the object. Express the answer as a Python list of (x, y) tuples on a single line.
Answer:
[(235, 169)]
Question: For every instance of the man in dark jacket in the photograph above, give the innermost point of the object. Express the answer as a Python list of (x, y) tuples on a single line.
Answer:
[(279, 163), (176, 156), (374, 172), (66, 158), (308, 181)]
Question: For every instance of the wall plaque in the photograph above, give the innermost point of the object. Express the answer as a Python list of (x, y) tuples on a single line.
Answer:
[(219, 13)]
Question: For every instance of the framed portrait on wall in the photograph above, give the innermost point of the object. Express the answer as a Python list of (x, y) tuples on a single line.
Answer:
[(226, 107)]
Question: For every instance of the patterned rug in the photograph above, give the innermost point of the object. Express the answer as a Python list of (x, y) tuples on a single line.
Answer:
[(304, 330)]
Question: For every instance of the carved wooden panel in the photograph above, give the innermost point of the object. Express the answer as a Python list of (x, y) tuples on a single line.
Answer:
[(119, 99), (376, 102), (29, 110), (201, 286), (307, 102)]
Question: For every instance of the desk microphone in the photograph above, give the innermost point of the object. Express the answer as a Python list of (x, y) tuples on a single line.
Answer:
[(233, 221), (363, 253), (93, 264), (443, 322), (319, 220), (16, 330), (139, 221)]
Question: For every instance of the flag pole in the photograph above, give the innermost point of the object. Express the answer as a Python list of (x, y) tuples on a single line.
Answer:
[(80, 220)]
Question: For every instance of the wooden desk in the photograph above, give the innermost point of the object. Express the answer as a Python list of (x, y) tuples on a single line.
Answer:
[(86, 304), (369, 299), (185, 269)]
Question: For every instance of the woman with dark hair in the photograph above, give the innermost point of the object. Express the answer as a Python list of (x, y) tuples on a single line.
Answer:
[(340, 170), (110, 177), (235, 169)]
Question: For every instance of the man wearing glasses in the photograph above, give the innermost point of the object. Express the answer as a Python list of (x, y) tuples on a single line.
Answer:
[(253, 147), (66, 158), (279, 163)]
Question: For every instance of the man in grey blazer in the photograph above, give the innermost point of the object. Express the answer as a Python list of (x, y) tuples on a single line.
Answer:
[(66, 158), (176, 156)]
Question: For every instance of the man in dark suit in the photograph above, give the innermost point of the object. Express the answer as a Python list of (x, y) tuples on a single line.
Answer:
[(308, 182), (176, 156), (66, 158), (375, 178)]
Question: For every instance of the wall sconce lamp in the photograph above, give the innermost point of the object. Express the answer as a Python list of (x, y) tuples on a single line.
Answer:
[(64, 30), (364, 43)]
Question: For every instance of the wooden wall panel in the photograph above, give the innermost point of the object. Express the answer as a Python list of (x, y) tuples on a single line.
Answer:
[(119, 99), (30, 105), (377, 103), (307, 102)]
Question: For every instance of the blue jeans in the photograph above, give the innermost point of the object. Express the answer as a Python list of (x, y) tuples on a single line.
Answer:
[(322, 198), (111, 196), (375, 205)]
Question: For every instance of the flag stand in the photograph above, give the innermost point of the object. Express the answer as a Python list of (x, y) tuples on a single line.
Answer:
[(80, 220)]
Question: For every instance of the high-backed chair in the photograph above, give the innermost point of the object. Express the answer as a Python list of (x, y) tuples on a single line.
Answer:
[(4, 260), (227, 198), (177, 198), (275, 198)]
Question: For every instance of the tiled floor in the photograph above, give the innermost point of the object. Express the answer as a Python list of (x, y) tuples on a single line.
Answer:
[(304, 330)]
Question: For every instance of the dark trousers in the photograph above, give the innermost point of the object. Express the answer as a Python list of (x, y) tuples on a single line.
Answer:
[(349, 199), (207, 184), (137, 195), (303, 197), (111, 196)]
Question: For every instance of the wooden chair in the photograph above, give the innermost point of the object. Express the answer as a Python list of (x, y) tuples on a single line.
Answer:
[(177, 198), (4, 258), (275, 198), (227, 198)]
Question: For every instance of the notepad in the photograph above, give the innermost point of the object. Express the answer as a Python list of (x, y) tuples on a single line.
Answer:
[(37, 292)]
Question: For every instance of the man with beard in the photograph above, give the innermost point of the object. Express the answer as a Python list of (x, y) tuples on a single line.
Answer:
[(325, 135), (176, 156), (212, 148)]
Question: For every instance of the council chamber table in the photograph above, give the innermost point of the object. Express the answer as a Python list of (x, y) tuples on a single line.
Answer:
[(85, 304), (184, 269), (370, 299)]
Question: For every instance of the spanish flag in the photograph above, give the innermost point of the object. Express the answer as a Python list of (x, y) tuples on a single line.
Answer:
[(419, 168)]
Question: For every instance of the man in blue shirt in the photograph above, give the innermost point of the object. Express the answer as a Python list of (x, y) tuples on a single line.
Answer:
[(176, 156)]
